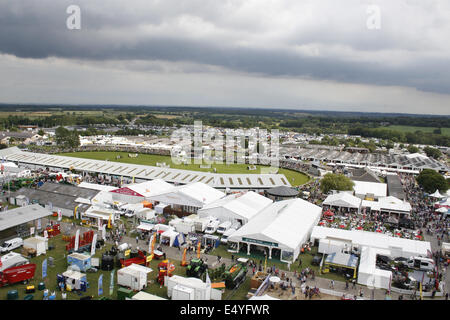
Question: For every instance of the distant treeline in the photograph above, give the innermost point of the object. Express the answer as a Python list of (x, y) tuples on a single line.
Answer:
[(418, 137)]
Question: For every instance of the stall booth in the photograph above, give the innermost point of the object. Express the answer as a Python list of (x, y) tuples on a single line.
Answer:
[(75, 280), (134, 277), (341, 262), (40, 244), (210, 240), (168, 237)]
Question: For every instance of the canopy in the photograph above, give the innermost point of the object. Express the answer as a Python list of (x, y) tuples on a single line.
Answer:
[(436, 194)]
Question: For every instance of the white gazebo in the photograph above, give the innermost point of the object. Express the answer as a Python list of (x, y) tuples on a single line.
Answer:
[(437, 195)]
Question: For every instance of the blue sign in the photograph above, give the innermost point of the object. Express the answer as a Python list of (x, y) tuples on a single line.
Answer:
[(44, 268), (100, 285)]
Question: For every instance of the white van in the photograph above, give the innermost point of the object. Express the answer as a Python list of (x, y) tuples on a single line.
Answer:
[(227, 234), (421, 263), (12, 244), (224, 226), (212, 227)]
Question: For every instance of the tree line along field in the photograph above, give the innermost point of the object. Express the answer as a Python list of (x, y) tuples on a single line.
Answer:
[(295, 178), (444, 131)]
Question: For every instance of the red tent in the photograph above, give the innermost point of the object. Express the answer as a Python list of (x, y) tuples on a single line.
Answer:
[(342, 226), (359, 228)]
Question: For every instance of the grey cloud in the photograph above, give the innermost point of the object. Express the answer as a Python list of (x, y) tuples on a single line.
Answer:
[(37, 30)]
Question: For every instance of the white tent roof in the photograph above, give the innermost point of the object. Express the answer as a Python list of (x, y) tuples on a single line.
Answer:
[(195, 194), (436, 194), (388, 203), (149, 188), (364, 187), (342, 199), (95, 186), (285, 222), (372, 239), (245, 205)]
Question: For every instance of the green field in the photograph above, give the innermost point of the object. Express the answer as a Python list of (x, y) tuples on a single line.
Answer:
[(445, 131), (295, 178)]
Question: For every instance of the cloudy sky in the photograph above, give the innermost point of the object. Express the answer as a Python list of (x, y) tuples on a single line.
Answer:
[(310, 54)]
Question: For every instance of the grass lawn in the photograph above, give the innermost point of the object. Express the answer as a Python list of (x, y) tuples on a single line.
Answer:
[(445, 131), (306, 259), (295, 178)]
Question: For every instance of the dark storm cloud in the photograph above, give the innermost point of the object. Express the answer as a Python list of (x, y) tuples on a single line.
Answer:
[(37, 29)]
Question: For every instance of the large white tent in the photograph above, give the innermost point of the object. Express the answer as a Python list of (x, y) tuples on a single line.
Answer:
[(139, 192), (363, 189), (436, 194), (342, 200), (236, 207), (398, 247), (284, 225), (368, 273), (189, 197)]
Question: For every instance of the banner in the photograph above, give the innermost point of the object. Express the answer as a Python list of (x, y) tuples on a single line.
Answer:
[(111, 283), (44, 268), (32, 231), (77, 240), (100, 285), (39, 224), (59, 215), (94, 242), (104, 232), (127, 253)]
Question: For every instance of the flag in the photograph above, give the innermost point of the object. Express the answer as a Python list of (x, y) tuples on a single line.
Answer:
[(59, 215), (100, 285), (109, 221), (208, 280), (199, 245), (111, 283), (75, 212), (45, 234), (265, 264), (94, 242), (133, 179), (44, 268), (77, 240), (153, 243), (104, 232)]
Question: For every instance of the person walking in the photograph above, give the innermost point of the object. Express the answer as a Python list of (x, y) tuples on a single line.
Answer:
[(137, 239), (346, 284), (332, 284)]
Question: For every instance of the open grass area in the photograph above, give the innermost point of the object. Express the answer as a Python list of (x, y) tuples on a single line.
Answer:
[(445, 131), (294, 178), (306, 259)]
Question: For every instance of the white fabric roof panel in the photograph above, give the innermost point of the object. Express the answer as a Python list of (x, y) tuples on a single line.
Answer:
[(342, 199), (245, 205), (195, 194), (285, 222), (373, 240), (363, 187)]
